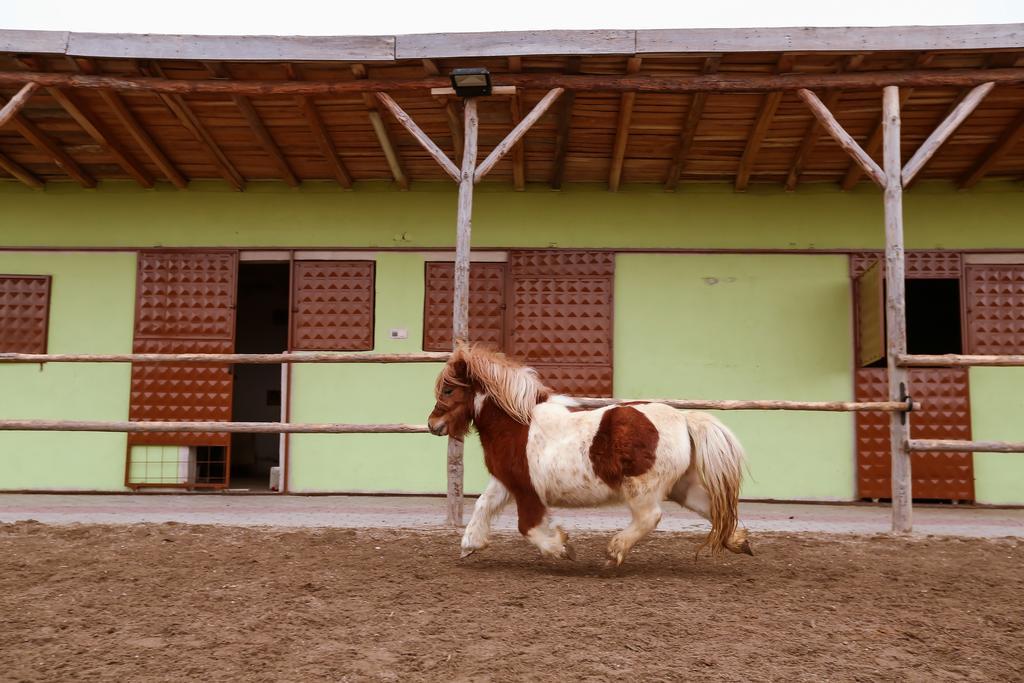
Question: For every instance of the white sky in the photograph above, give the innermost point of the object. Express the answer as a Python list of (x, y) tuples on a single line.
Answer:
[(387, 17)]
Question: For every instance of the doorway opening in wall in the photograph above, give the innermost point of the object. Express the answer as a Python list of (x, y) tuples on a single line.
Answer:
[(261, 326), (933, 316)]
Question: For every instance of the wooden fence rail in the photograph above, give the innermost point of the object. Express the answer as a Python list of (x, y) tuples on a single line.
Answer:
[(953, 360), (957, 446), (233, 358), (813, 406), (213, 427)]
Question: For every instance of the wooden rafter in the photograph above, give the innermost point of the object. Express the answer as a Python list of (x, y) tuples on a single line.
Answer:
[(18, 171), (179, 107), (813, 132), (258, 127), (47, 146), (515, 103), (451, 110), (562, 132), (686, 138), (320, 133), (128, 119), (380, 129), (874, 144), (992, 155), (769, 105), (626, 102)]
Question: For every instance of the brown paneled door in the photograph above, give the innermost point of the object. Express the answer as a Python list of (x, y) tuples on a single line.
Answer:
[(560, 318), (185, 303)]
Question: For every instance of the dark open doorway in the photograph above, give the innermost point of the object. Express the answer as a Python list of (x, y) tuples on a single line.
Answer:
[(261, 327)]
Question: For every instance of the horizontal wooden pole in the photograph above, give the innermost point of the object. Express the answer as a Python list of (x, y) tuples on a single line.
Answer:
[(204, 427), (852, 80), (496, 90), (227, 358), (814, 406), (952, 360), (956, 446)]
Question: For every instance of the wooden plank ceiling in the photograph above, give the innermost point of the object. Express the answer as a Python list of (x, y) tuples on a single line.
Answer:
[(83, 135)]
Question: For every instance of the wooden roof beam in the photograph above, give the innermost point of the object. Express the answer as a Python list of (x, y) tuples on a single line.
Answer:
[(451, 111), (626, 102), (769, 105), (446, 164), (387, 145), (516, 134), (874, 144), (813, 133), (179, 107), (689, 133), (18, 171), (844, 139), (320, 133), (515, 103), (562, 132), (259, 129), (1009, 138), (944, 130), (47, 146), (127, 119)]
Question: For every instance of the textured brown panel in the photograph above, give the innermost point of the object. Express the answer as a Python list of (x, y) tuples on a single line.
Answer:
[(24, 313), (185, 303), (946, 414), (486, 305), (995, 308), (562, 318), (185, 295), (181, 392), (870, 290), (921, 265), (333, 306)]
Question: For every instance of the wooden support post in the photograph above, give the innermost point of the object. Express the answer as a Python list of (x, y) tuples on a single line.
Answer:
[(460, 313), (839, 134), (945, 129), (895, 311), (425, 142), (16, 103), (502, 148)]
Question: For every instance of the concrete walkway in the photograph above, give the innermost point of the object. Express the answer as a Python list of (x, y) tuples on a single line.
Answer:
[(428, 513)]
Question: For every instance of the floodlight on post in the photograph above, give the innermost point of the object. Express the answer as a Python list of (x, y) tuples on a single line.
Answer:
[(471, 81)]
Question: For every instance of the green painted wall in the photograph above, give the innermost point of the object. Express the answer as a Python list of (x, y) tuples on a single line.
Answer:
[(709, 216), (736, 326), (780, 328), (91, 311), (997, 414)]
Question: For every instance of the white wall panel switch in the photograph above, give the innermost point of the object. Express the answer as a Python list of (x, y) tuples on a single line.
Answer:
[(399, 333)]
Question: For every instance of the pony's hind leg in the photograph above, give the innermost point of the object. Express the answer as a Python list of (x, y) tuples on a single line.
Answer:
[(691, 494), (488, 505), (646, 510)]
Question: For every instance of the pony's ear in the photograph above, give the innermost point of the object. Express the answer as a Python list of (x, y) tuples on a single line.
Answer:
[(461, 370)]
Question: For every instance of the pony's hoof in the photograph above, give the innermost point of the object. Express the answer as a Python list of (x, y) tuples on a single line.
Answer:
[(615, 559), (569, 552), (466, 552), (745, 548)]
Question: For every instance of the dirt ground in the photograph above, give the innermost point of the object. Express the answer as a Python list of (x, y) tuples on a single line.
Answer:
[(173, 602)]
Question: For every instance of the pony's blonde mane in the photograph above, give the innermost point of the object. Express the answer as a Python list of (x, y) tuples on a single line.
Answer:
[(513, 386)]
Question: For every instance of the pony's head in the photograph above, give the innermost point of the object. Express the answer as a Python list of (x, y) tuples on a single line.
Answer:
[(471, 375)]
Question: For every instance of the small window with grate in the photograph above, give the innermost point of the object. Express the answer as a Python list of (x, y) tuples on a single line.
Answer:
[(332, 305), (24, 313)]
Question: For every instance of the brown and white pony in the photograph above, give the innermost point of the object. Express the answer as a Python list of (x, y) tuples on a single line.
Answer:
[(544, 450)]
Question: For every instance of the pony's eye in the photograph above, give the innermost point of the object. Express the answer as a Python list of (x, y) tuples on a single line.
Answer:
[(447, 392)]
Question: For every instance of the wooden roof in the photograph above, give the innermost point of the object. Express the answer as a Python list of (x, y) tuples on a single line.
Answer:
[(593, 135)]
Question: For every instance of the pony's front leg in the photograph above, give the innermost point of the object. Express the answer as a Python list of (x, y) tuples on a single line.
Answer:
[(488, 505), (646, 512), (552, 542)]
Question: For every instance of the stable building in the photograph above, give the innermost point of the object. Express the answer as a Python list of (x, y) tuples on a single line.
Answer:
[(683, 218)]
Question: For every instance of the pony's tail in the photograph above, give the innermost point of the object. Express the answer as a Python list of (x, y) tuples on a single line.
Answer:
[(718, 456)]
